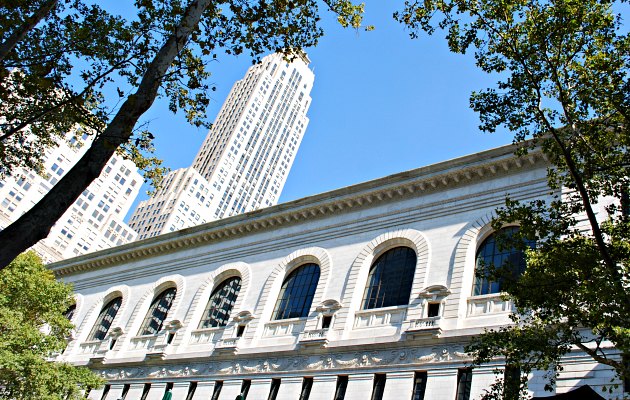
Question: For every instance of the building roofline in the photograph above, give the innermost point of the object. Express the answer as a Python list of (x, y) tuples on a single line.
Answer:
[(401, 185)]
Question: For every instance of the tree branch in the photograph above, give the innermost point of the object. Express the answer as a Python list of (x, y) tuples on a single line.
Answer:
[(27, 25), (35, 224)]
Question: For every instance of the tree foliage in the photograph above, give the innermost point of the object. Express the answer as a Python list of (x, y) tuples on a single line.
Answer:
[(563, 82), (61, 57), (33, 327)]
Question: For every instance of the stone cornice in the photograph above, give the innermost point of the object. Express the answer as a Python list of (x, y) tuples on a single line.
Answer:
[(417, 182)]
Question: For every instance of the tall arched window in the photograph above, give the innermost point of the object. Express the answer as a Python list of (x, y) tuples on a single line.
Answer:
[(491, 255), (296, 295), (105, 319), (220, 304), (157, 312), (390, 279)]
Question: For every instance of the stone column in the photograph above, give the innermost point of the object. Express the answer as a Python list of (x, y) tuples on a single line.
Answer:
[(231, 389), (157, 391), (290, 388), (204, 391), (441, 384), (359, 387), (323, 387), (259, 389), (180, 390), (399, 385)]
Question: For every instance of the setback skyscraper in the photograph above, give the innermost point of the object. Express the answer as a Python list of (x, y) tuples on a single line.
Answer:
[(244, 161), (95, 220)]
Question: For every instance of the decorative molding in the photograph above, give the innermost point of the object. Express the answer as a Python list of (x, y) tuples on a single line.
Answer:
[(409, 356), (407, 184)]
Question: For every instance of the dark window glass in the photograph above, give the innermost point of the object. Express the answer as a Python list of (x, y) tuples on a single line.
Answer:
[(512, 382), (105, 392), (379, 387), (419, 385), (245, 388), (464, 381), (307, 385), (240, 330), (326, 321), (433, 310), (191, 390), (157, 312), (218, 385), (105, 319), (220, 304), (69, 313), (145, 391), (123, 396), (273, 392), (297, 293), (491, 256), (342, 384), (390, 279), (168, 388)]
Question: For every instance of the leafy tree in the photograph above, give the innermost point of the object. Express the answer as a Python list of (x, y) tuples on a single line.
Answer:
[(563, 83), (32, 328), (163, 52)]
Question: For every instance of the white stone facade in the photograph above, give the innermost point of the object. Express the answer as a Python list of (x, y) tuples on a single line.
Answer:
[(95, 220), (245, 159), (441, 212)]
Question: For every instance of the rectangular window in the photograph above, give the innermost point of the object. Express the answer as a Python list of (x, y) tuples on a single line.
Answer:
[(464, 381), (307, 385), (145, 391), (379, 386), (433, 310), (191, 390), (245, 387), (218, 385), (342, 384), (240, 330), (123, 396), (326, 320), (419, 385), (105, 392), (512, 382), (273, 392)]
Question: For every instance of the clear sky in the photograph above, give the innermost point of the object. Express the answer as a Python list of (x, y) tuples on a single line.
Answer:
[(382, 103)]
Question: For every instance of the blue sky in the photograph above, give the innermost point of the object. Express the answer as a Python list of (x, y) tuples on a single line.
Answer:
[(382, 103)]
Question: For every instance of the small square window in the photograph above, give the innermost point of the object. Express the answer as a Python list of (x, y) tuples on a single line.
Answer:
[(433, 310)]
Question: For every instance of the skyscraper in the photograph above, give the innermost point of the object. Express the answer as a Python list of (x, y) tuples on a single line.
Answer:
[(95, 220), (244, 161)]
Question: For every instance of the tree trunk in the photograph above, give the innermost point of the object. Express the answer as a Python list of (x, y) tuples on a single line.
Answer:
[(27, 25), (36, 223)]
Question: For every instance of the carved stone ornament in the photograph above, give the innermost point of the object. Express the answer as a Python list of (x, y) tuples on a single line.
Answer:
[(402, 356)]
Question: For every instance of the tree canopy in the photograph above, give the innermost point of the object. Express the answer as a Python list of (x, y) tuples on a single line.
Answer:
[(562, 68), (33, 327), (57, 58)]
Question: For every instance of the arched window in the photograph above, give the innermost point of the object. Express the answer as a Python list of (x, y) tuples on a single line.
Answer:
[(157, 312), (69, 313), (491, 255), (105, 319), (296, 295), (220, 304), (390, 279)]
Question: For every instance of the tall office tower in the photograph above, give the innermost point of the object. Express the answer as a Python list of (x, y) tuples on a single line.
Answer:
[(95, 220), (244, 161)]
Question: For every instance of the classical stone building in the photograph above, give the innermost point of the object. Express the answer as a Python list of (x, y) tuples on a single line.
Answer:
[(366, 292)]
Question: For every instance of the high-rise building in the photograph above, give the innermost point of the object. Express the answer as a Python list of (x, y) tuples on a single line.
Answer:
[(95, 220), (244, 161)]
